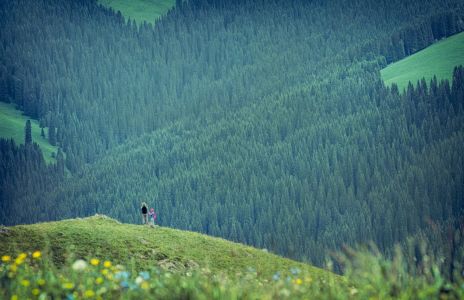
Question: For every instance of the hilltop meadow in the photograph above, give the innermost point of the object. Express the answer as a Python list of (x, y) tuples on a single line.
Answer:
[(100, 258)]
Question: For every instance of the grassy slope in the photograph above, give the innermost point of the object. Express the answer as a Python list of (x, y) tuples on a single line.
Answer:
[(140, 10), (109, 239), (438, 59), (12, 123)]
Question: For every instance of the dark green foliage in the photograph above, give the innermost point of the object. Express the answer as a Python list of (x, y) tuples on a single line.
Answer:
[(28, 133), (368, 175), (444, 241), (24, 178), (52, 135), (264, 122), (66, 70)]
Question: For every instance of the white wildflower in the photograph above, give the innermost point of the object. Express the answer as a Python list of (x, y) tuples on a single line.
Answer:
[(353, 291), (138, 280), (79, 265)]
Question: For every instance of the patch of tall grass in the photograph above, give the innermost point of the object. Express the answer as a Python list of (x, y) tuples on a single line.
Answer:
[(367, 275)]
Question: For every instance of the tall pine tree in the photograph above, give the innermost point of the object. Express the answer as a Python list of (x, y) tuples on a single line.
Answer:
[(28, 133)]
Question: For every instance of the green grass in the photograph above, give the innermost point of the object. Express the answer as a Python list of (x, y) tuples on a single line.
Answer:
[(140, 10), (438, 59), (163, 263), (176, 249), (12, 123)]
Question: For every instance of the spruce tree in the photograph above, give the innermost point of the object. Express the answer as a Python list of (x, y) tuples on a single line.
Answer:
[(51, 135), (28, 133)]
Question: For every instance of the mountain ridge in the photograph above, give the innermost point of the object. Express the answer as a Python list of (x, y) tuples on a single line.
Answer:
[(143, 246)]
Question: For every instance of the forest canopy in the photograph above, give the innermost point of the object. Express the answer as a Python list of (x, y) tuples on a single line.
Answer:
[(263, 122)]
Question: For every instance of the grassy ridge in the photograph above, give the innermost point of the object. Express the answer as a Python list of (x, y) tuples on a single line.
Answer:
[(12, 123), (232, 271), (144, 246), (140, 10), (438, 59)]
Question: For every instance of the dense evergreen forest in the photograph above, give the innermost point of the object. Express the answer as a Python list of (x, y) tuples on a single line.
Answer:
[(264, 122)]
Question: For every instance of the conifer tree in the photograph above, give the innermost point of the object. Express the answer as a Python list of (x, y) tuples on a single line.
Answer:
[(28, 133), (51, 135)]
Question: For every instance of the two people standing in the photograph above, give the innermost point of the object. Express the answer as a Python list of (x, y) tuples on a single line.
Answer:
[(148, 217)]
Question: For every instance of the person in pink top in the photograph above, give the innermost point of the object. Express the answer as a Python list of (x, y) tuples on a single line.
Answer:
[(152, 216)]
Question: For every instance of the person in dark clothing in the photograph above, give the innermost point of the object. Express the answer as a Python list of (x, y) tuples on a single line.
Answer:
[(144, 209)]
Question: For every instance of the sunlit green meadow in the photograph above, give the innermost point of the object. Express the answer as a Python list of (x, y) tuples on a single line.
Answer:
[(438, 59), (12, 125), (140, 10)]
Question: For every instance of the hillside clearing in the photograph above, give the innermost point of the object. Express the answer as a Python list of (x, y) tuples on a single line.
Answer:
[(438, 59), (140, 10), (12, 123)]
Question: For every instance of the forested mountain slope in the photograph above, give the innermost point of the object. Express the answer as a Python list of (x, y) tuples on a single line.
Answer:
[(300, 187), (264, 122), (81, 69)]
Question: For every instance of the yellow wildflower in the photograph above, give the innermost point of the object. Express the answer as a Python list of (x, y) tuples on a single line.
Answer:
[(25, 282), (13, 268), (68, 286), (41, 282), (104, 271), (99, 280), (14, 297), (145, 285), (107, 264), (89, 294), (298, 281), (6, 258), (94, 262), (20, 259), (36, 254), (35, 292)]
